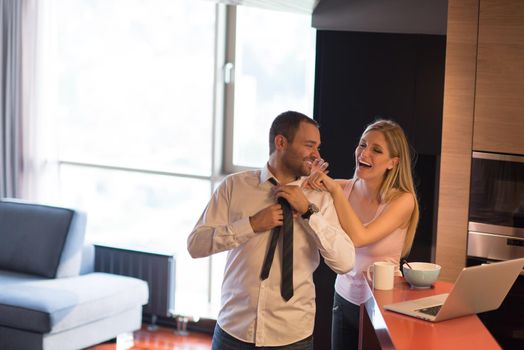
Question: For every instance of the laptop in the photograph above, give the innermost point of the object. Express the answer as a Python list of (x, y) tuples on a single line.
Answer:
[(477, 289)]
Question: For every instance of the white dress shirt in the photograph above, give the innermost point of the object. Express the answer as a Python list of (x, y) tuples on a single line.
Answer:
[(252, 310)]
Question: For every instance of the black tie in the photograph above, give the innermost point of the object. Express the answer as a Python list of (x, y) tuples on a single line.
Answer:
[(286, 288)]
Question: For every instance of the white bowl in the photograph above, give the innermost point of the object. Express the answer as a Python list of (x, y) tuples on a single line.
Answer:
[(421, 274)]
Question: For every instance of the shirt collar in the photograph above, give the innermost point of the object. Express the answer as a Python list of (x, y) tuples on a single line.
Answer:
[(265, 175)]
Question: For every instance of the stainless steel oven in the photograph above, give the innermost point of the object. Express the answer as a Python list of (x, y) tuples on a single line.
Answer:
[(496, 232)]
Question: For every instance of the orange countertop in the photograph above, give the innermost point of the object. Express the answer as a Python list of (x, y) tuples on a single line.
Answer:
[(396, 331)]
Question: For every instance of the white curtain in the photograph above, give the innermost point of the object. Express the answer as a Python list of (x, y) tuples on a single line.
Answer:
[(10, 96), (31, 160), (17, 30)]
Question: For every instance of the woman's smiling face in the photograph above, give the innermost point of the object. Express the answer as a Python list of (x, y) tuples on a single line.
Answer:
[(372, 156)]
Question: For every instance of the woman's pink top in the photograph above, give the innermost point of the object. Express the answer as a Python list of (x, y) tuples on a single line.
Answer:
[(351, 286)]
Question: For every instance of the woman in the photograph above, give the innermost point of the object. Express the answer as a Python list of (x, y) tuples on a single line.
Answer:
[(379, 212)]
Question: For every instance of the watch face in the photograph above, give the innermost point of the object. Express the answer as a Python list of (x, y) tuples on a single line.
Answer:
[(311, 209)]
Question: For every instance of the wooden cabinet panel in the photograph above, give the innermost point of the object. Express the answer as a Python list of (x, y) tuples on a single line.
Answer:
[(499, 100), (455, 164)]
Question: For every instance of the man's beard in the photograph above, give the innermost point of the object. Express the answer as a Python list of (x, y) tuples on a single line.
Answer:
[(298, 169), (306, 169)]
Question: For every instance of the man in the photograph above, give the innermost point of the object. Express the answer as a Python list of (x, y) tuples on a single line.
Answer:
[(259, 309)]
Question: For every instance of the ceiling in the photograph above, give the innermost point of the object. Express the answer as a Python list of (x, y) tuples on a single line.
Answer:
[(299, 6), (384, 16)]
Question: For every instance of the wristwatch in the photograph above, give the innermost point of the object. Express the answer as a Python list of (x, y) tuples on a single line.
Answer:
[(311, 209)]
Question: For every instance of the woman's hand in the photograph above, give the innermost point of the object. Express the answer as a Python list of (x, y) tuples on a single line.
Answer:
[(319, 165), (321, 182), (318, 179)]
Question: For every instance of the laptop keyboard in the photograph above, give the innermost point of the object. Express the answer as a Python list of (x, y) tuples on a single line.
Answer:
[(433, 310)]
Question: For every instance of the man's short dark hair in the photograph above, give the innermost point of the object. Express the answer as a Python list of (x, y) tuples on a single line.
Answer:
[(286, 124)]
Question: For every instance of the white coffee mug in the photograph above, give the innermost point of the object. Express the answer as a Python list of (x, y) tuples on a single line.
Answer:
[(383, 275)]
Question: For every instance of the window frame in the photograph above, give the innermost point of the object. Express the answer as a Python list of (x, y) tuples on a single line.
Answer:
[(229, 67), (222, 116), (54, 162)]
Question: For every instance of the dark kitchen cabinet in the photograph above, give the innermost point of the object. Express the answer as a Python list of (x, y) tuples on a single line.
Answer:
[(359, 77)]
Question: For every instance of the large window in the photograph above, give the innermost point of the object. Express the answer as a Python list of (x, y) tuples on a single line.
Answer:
[(274, 72), (134, 79), (128, 95)]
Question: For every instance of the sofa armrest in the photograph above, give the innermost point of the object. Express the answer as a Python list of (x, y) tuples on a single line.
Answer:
[(88, 259), (72, 255)]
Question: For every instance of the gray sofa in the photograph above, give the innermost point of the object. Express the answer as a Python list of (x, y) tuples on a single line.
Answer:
[(50, 298)]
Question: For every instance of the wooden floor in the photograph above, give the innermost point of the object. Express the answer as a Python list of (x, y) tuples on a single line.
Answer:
[(163, 338)]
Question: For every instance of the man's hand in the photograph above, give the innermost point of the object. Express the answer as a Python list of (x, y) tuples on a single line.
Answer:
[(267, 218), (294, 195)]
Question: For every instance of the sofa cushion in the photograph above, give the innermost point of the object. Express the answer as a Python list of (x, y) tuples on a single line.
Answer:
[(54, 305), (32, 238), (10, 277)]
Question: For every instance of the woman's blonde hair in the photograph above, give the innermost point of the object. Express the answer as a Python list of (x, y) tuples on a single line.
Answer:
[(399, 179)]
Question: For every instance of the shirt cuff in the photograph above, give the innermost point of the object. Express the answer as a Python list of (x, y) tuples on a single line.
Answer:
[(242, 230), (317, 224)]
